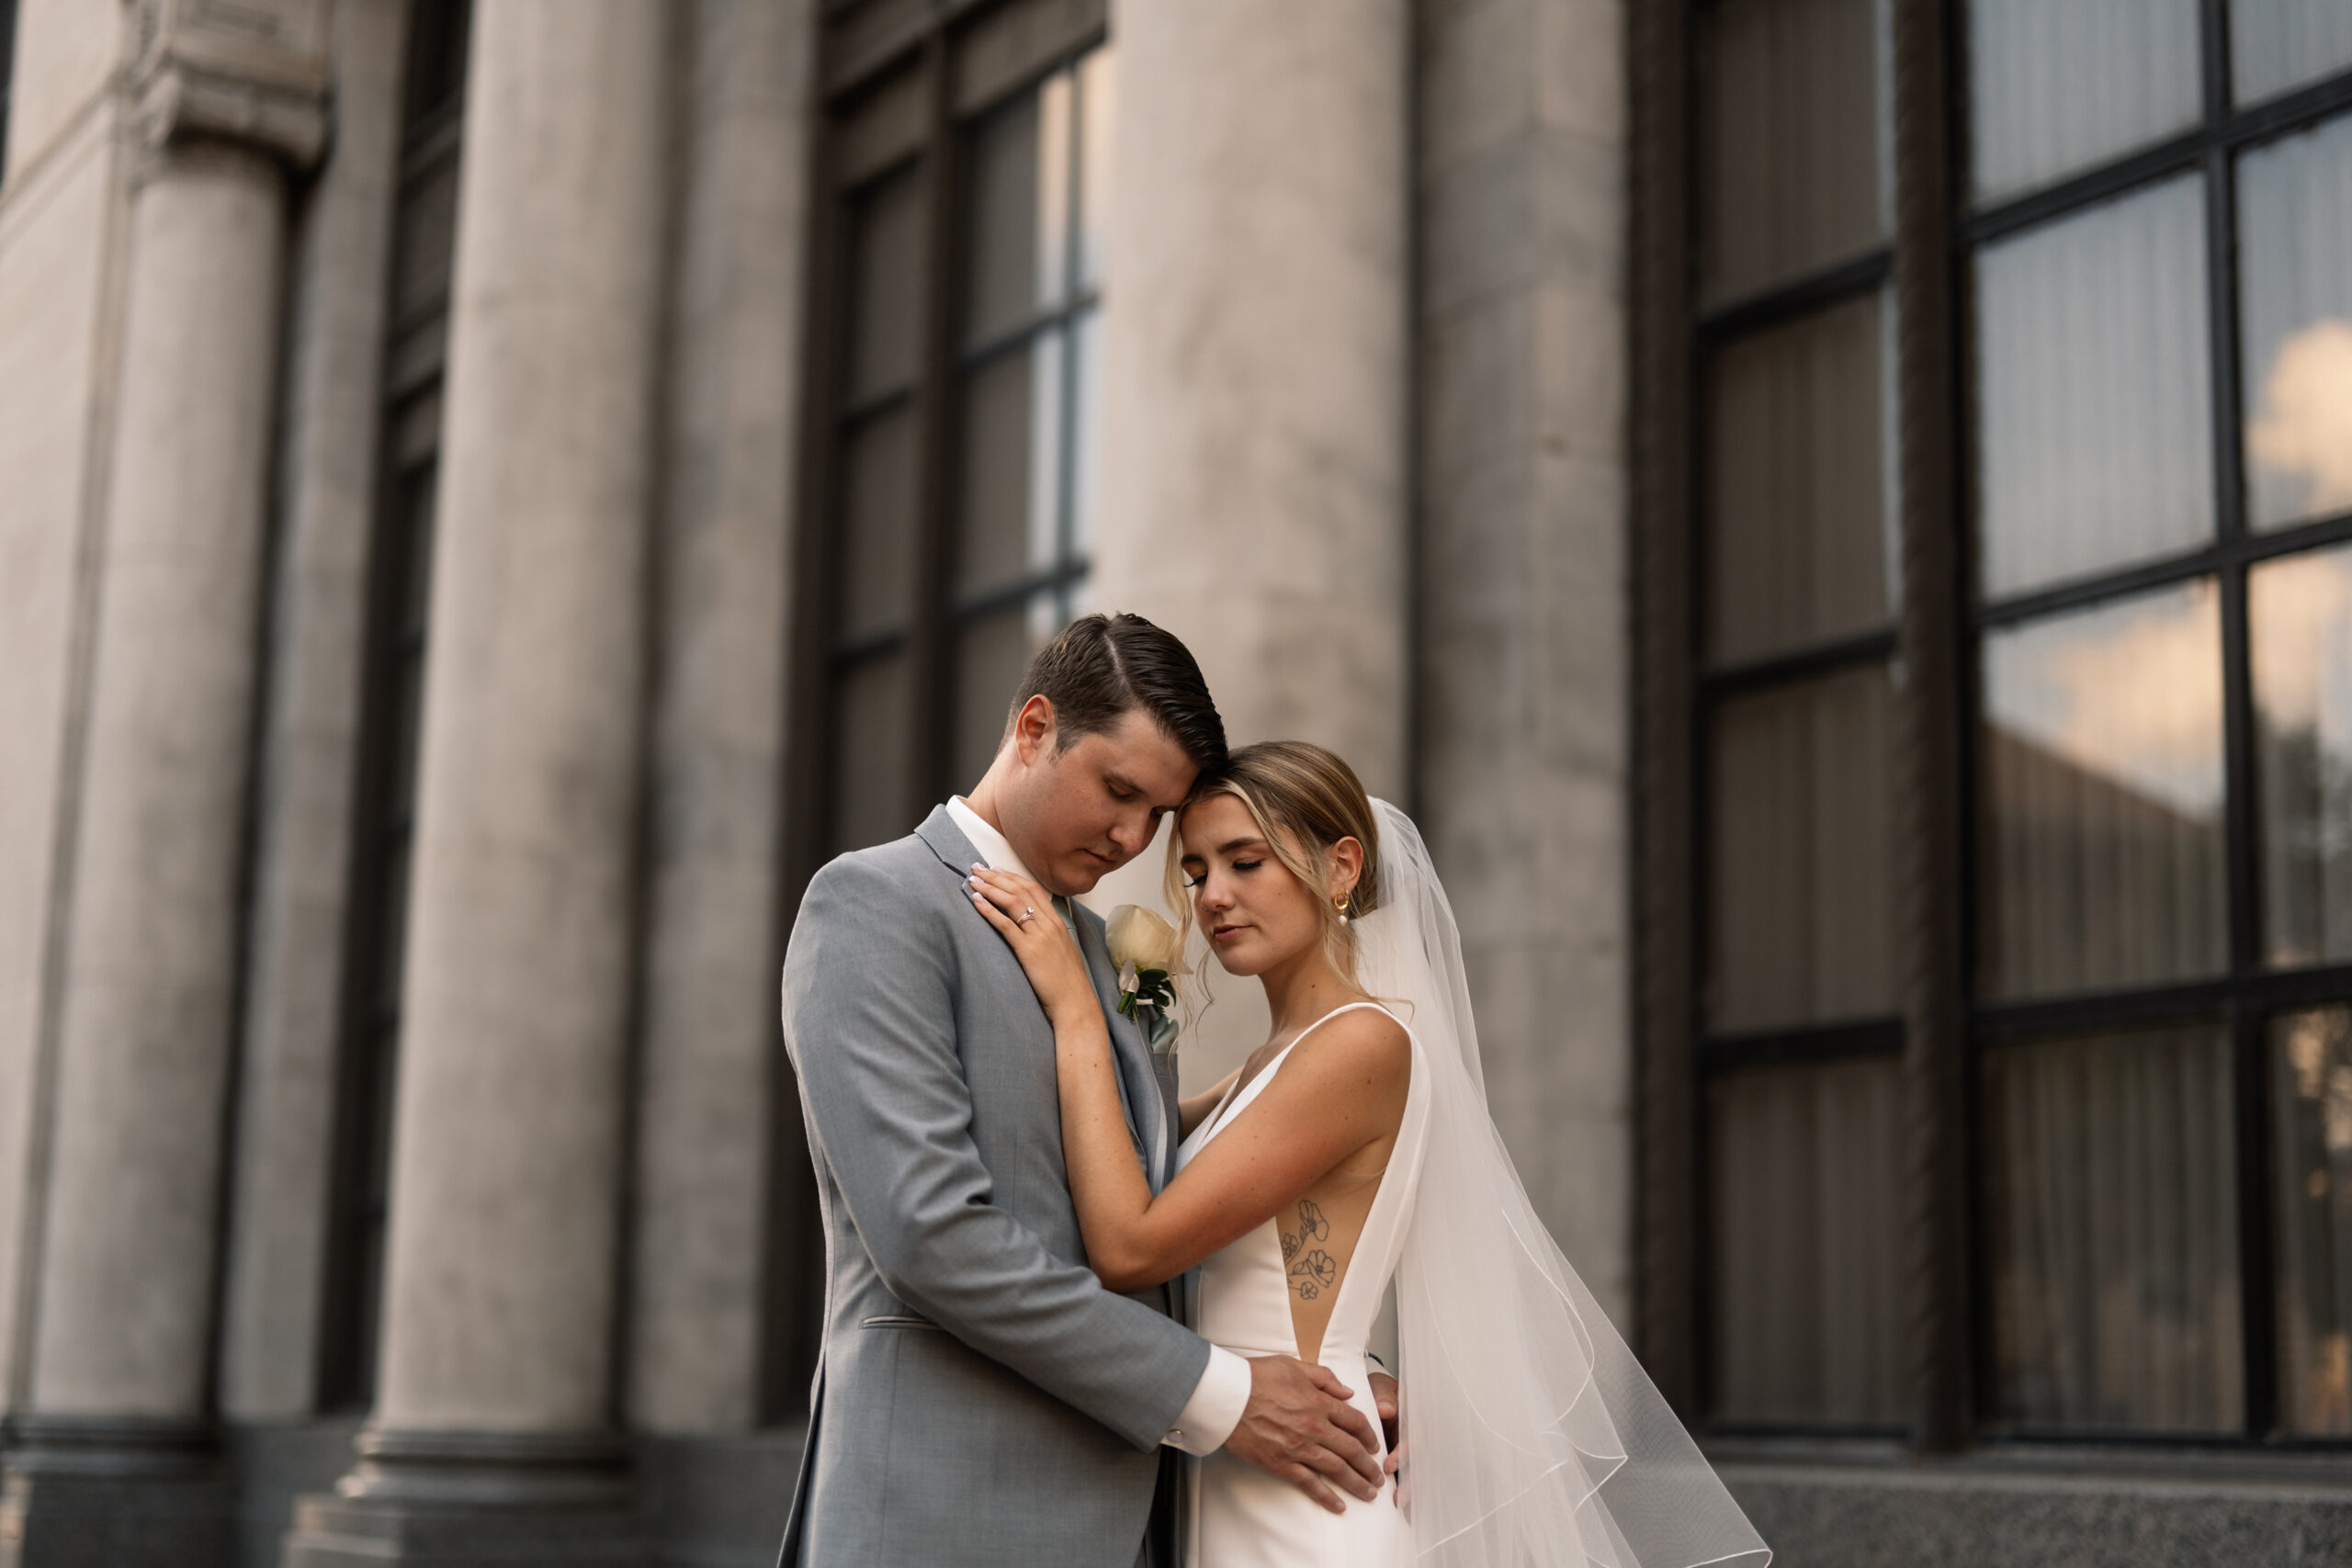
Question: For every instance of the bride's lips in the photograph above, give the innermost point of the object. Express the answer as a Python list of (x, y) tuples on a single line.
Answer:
[(1226, 933)]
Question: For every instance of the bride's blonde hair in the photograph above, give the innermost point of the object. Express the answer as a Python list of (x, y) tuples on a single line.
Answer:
[(1305, 799)]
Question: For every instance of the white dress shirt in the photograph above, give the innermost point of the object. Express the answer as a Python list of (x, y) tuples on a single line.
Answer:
[(1209, 1418)]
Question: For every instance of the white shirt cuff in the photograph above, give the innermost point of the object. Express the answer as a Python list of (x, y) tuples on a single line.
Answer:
[(1209, 1418)]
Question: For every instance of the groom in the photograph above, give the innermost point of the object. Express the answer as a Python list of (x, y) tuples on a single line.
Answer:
[(982, 1398)]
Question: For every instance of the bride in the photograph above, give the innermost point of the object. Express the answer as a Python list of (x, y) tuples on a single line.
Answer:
[(1351, 1150)]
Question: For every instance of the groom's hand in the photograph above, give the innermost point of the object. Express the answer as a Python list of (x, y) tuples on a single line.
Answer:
[(1384, 1399), (1299, 1426)]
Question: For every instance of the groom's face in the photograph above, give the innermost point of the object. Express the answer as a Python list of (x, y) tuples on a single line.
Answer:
[(1076, 813)]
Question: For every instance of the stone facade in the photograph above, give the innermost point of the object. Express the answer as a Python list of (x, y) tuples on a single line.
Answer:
[(1367, 338)]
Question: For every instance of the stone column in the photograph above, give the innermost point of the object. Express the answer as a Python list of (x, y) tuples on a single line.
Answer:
[(1254, 474), (1522, 575), (710, 1052), (110, 1458), (498, 1310), (1254, 489)]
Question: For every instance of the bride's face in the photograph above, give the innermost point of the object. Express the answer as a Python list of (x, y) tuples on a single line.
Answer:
[(1255, 913)]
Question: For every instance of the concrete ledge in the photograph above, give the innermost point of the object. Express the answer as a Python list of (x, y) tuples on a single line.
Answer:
[(68, 1521), (1967, 1516), (702, 1502), (717, 1501)]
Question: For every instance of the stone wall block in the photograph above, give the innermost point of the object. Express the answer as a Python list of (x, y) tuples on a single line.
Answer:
[(68, 53), (57, 353)]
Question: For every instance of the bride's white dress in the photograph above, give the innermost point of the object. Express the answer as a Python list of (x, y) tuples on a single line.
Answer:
[(1533, 1438), (1243, 1517)]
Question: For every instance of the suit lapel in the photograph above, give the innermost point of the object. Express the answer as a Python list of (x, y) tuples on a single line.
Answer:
[(1147, 1108), (947, 841)]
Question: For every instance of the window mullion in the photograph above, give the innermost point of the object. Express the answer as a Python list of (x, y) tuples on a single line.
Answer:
[(1665, 818), (2256, 1319), (1929, 767)]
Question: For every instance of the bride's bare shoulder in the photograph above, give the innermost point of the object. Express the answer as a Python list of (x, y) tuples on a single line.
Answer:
[(1362, 1042)]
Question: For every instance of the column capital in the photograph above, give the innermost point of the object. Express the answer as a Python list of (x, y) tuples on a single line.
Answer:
[(253, 71)]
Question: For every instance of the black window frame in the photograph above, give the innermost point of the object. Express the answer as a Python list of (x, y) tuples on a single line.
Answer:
[(7, 74), (1942, 1029)]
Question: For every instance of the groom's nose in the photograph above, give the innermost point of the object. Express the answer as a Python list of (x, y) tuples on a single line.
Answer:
[(1131, 834)]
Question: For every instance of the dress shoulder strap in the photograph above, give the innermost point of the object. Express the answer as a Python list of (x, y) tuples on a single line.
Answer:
[(1271, 1069)]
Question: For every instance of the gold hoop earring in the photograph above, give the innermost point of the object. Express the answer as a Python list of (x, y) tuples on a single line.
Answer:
[(1340, 907)]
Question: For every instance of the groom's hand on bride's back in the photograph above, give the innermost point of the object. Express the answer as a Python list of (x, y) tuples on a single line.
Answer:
[(1299, 1426)]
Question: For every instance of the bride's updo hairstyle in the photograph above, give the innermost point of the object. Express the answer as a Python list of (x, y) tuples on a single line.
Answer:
[(1304, 800)]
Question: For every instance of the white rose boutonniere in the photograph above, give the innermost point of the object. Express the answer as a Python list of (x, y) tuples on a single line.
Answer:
[(1145, 949)]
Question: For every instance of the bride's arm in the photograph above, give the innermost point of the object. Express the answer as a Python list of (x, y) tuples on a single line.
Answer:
[(1340, 1089), (1191, 1113)]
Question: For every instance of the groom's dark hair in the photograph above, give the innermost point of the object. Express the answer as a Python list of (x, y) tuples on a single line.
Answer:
[(1099, 666)]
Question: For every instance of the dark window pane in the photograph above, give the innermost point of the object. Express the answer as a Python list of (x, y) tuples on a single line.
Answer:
[(872, 731), (2102, 763), (2094, 390), (878, 526), (2113, 1209), (424, 242), (1009, 519), (991, 653), (1807, 1187), (1798, 509), (2060, 84), (885, 288), (2277, 44), (2312, 1127), (1791, 132), (2295, 269), (1799, 880), (1019, 211), (2300, 615)]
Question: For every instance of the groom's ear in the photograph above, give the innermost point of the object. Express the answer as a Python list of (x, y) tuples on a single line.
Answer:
[(1034, 730)]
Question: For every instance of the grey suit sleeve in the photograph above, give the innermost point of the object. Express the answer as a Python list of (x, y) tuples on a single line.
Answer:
[(869, 1019)]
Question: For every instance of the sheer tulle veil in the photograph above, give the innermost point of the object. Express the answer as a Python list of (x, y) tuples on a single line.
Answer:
[(1531, 1435)]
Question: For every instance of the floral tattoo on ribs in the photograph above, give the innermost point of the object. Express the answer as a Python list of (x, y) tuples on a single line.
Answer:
[(1311, 1269)]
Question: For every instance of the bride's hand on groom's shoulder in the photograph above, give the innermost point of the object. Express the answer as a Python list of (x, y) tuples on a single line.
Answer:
[(1024, 914)]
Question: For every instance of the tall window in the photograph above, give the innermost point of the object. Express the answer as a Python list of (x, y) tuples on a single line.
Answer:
[(949, 480), (2145, 355), (956, 476), (424, 236)]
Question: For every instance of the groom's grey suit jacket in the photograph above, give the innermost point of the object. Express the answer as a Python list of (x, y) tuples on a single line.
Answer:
[(980, 1399)]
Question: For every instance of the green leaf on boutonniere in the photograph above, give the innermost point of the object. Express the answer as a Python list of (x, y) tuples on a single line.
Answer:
[(1143, 988)]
